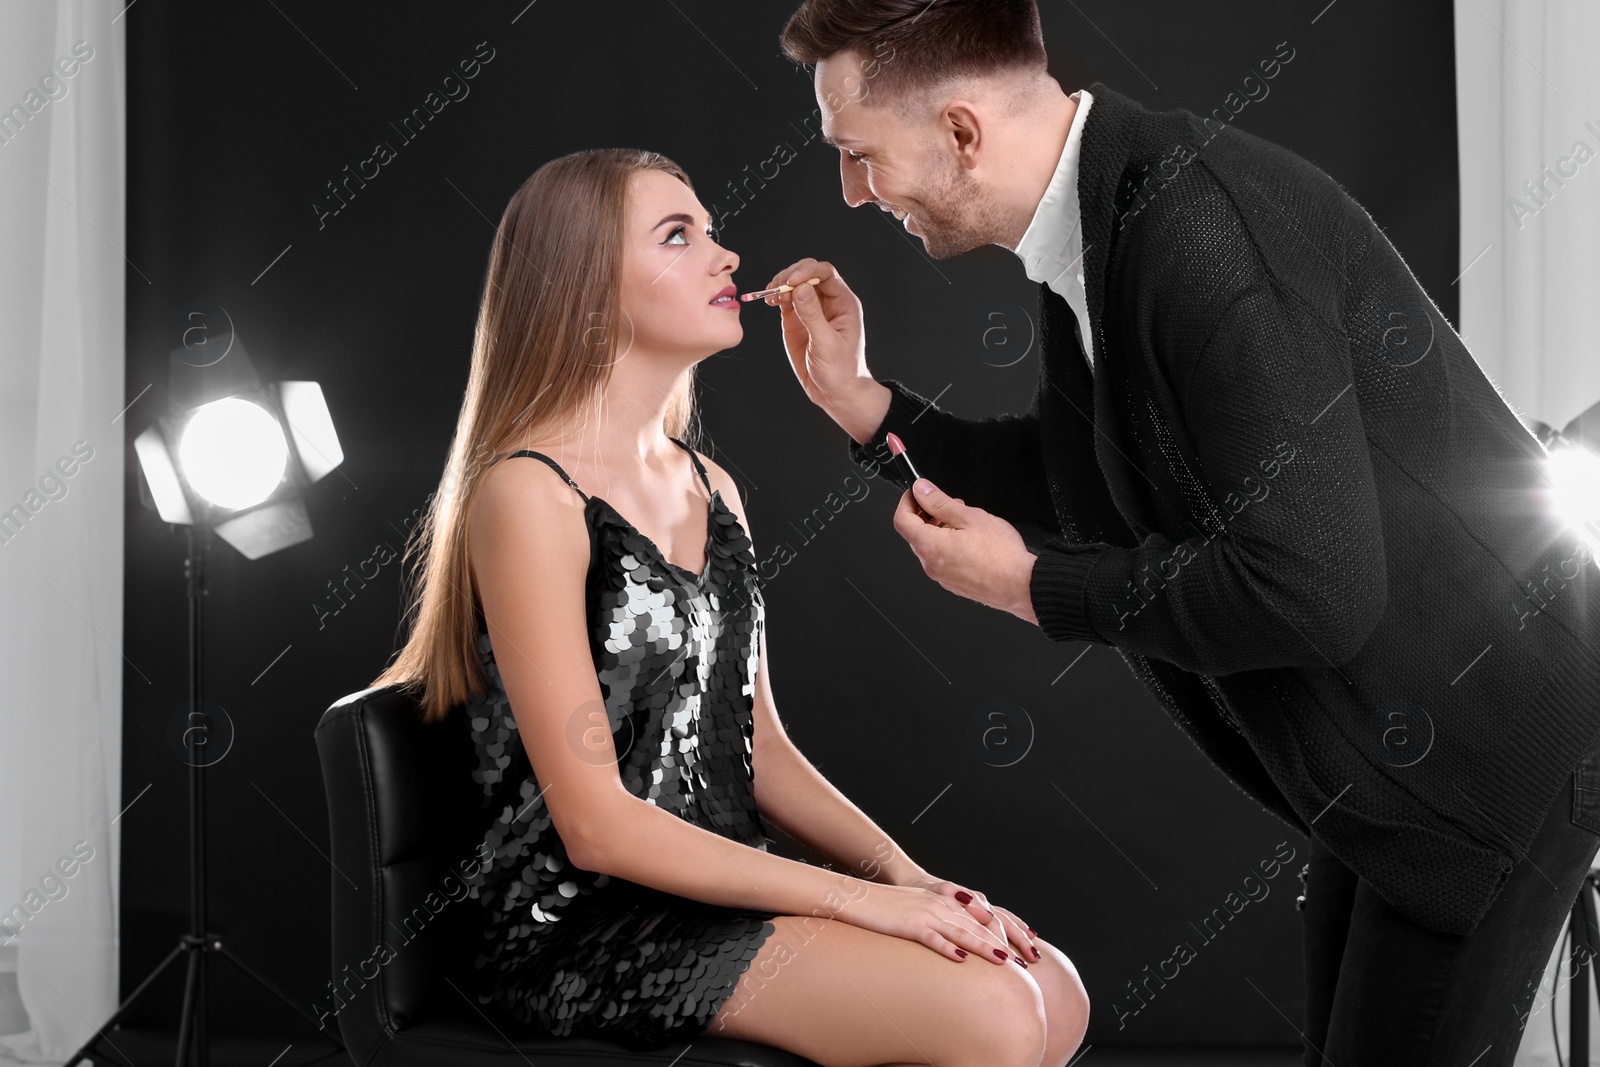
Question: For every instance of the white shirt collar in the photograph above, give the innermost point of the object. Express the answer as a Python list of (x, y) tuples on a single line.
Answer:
[(1053, 241)]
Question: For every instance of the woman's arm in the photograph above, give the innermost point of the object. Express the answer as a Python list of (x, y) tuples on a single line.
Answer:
[(797, 799), (792, 793), (642, 843), (530, 550)]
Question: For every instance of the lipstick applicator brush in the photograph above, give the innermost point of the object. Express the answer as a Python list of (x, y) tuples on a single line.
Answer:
[(774, 292)]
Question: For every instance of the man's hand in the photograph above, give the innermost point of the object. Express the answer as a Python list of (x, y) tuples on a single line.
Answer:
[(824, 337), (974, 554)]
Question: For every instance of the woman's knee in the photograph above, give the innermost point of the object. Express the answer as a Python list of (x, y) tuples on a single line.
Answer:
[(1066, 1003), (899, 1000), (1002, 1013)]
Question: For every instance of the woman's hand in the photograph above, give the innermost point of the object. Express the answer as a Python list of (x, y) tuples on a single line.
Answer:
[(822, 333), (931, 918), (1000, 923)]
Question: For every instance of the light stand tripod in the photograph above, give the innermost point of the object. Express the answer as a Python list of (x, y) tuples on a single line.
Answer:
[(194, 1049)]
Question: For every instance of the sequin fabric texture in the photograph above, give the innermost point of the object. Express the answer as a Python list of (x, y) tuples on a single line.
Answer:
[(572, 952)]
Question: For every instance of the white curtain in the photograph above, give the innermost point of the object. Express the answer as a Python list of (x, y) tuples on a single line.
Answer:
[(1528, 122), (62, 152)]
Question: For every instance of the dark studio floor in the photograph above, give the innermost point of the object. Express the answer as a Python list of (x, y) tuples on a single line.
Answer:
[(150, 1048)]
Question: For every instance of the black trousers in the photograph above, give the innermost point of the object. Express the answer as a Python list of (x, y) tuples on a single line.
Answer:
[(1381, 990)]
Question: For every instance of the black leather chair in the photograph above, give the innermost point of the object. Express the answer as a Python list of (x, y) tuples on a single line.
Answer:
[(401, 808)]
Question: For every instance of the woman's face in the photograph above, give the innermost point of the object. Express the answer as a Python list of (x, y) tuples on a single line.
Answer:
[(673, 272)]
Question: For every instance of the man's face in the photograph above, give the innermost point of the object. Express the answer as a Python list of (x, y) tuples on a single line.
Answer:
[(909, 170)]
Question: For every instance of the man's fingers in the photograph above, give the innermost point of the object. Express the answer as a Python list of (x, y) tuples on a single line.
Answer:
[(796, 274), (782, 277), (821, 269), (944, 509), (933, 499), (809, 308), (907, 522)]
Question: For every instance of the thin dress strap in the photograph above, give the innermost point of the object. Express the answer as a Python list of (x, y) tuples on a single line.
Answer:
[(556, 466), (696, 461)]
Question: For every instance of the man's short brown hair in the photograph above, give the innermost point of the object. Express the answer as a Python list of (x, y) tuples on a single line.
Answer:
[(912, 45)]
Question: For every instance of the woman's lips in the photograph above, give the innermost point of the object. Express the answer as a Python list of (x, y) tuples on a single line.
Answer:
[(726, 302)]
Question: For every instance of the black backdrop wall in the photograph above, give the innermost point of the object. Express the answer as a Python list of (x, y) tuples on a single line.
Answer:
[(1111, 835)]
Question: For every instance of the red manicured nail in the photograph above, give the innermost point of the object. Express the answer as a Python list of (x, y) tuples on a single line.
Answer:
[(961, 952), (1035, 953), (964, 897), (1000, 954)]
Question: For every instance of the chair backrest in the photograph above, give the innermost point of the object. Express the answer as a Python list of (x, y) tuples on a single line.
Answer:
[(402, 813)]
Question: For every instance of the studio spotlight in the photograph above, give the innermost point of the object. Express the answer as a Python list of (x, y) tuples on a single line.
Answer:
[(1573, 467), (232, 456), (235, 455)]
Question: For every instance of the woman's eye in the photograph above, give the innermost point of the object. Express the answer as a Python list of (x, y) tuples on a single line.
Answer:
[(855, 157), (681, 230)]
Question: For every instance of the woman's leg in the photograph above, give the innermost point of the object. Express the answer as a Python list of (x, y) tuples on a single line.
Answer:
[(1066, 1003), (846, 997)]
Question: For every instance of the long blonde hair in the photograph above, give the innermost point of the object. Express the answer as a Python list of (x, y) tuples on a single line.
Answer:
[(544, 345)]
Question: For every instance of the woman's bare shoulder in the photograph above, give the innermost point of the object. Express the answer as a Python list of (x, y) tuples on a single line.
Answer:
[(524, 510)]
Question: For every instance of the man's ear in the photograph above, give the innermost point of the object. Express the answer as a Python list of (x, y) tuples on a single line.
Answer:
[(960, 122)]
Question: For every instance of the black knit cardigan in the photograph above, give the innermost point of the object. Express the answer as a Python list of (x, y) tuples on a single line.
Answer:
[(1292, 501)]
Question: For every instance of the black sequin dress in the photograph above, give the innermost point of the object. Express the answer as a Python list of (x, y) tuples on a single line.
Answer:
[(571, 952)]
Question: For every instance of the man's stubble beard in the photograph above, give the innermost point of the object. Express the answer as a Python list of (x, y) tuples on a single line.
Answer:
[(957, 217)]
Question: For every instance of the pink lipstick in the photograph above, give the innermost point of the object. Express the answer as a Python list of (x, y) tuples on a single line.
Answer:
[(897, 449), (902, 462)]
